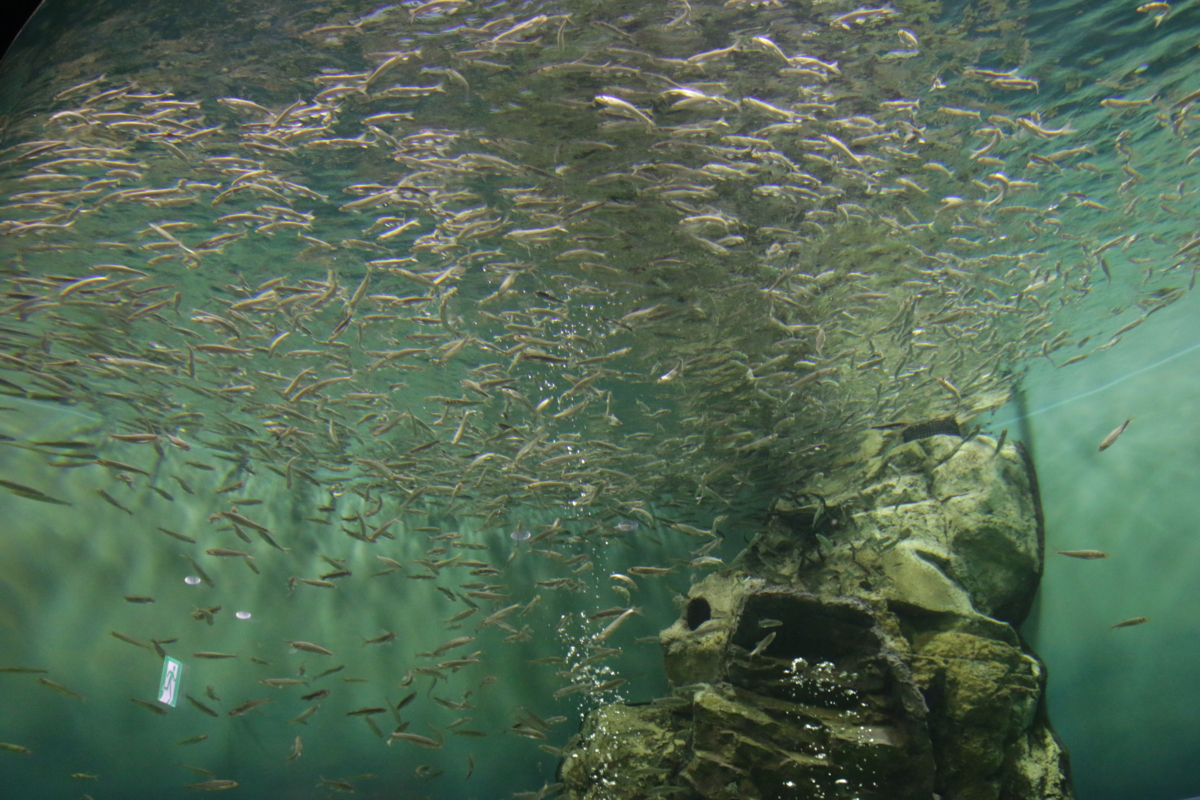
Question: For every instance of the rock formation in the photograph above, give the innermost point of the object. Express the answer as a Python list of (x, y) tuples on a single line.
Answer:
[(863, 647)]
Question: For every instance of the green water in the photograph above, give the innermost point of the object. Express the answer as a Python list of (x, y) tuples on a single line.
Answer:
[(613, 275)]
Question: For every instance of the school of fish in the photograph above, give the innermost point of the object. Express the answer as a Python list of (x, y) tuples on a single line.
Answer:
[(619, 265)]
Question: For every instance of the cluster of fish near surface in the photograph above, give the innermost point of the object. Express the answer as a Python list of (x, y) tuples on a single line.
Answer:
[(503, 260)]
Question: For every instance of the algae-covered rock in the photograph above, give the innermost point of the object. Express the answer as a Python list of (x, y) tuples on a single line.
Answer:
[(695, 645), (993, 527), (915, 580), (975, 520), (983, 697), (863, 646), (624, 751), (1037, 767), (748, 746)]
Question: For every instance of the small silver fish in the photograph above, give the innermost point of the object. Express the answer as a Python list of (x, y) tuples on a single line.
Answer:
[(763, 644), (1111, 439)]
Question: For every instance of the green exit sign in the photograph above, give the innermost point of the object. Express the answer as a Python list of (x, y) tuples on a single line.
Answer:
[(172, 677)]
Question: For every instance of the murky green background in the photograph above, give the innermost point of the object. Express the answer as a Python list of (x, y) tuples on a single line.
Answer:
[(1123, 700)]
